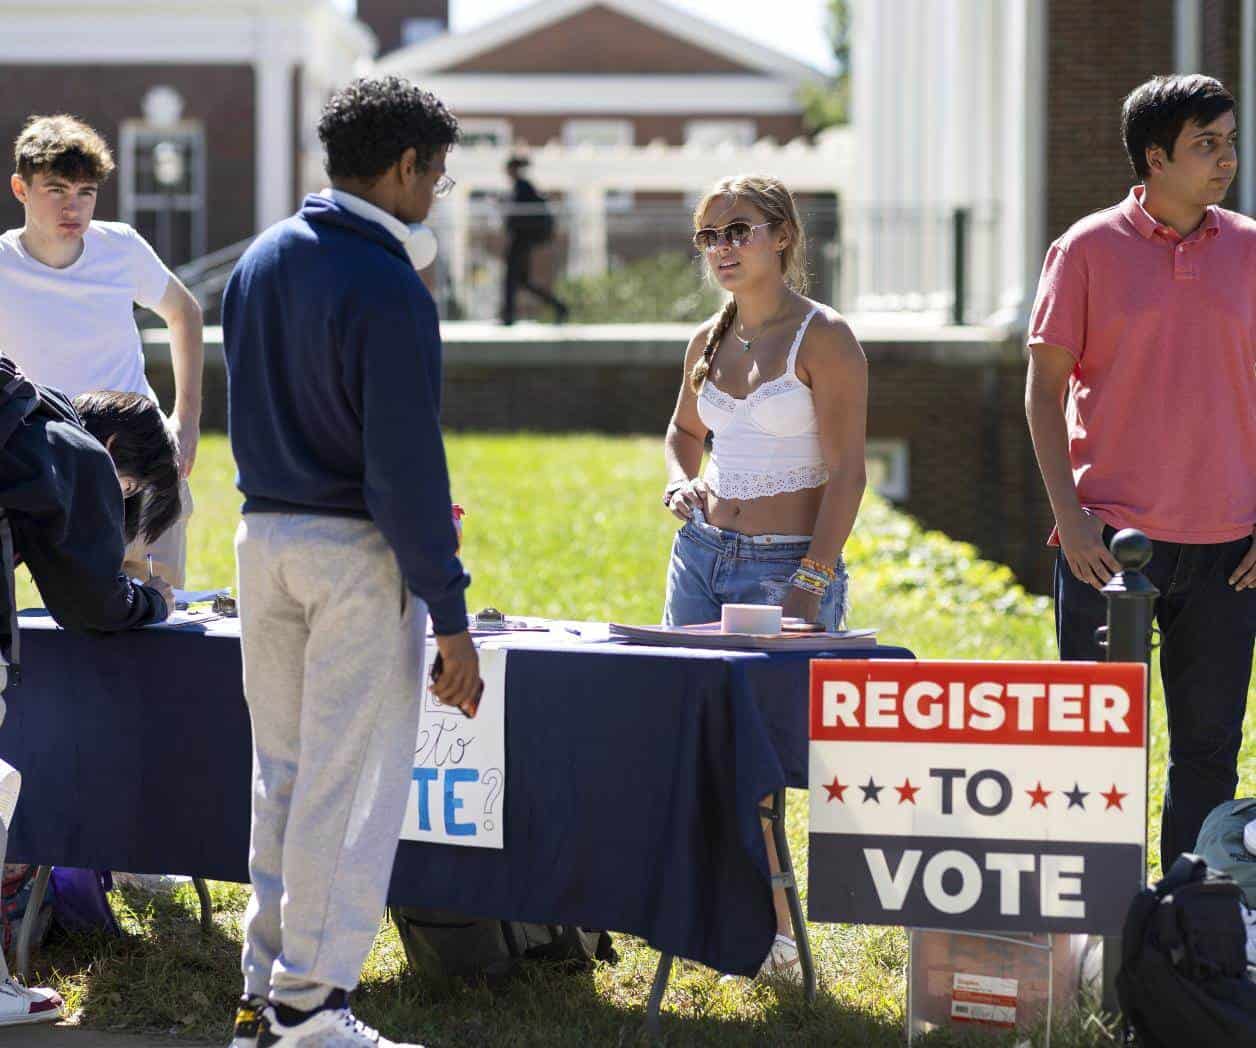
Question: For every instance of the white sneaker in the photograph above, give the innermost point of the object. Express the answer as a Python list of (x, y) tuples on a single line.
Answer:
[(21, 1004), (326, 1029), (782, 963)]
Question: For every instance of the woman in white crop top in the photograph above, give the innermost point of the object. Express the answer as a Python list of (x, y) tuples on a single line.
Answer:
[(781, 384)]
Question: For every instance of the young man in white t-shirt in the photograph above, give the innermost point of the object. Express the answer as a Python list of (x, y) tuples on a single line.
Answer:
[(68, 286)]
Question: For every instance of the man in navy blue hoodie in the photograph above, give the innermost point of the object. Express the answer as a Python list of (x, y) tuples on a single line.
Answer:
[(347, 544)]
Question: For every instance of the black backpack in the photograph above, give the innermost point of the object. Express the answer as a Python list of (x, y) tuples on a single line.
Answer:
[(440, 943), (1184, 978)]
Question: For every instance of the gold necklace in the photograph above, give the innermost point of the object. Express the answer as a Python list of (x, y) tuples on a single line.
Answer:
[(746, 343)]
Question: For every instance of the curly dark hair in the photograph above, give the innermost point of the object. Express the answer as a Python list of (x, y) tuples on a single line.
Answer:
[(366, 126)]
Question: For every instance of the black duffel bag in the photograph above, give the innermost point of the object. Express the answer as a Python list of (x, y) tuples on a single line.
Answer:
[(1184, 977), (440, 943)]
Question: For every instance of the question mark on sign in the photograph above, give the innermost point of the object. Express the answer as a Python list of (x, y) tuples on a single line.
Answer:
[(493, 779)]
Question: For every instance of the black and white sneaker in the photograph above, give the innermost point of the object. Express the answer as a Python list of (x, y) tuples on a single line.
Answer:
[(329, 1028), (248, 1021)]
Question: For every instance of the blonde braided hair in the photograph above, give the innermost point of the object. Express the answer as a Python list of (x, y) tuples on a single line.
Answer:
[(776, 203)]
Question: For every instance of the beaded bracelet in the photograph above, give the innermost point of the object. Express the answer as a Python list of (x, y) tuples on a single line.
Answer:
[(809, 582), (814, 576), (819, 568)]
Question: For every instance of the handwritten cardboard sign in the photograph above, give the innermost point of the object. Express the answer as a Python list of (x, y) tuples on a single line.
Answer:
[(1010, 796), (458, 783)]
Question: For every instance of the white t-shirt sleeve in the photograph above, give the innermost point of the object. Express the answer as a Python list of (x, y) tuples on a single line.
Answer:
[(147, 270)]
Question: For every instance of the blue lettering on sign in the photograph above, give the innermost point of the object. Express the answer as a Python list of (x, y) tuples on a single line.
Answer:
[(453, 776), (423, 776)]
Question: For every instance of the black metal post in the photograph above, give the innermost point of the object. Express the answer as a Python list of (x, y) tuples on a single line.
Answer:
[(960, 220), (1131, 609)]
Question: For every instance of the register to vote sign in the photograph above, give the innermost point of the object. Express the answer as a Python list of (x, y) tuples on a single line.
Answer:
[(458, 782), (1004, 796)]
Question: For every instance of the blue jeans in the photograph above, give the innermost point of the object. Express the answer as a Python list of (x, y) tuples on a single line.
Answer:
[(711, 566), (1206, 631)]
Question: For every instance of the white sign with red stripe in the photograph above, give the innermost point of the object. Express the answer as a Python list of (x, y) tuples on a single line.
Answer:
[(1008, 796), (984, 999)]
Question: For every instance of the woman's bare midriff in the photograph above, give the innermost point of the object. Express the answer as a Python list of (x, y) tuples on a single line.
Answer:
[(790, 513)]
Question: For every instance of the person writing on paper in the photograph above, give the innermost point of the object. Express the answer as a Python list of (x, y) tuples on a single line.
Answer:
[(781, 383), (65, 472), (62, 515)]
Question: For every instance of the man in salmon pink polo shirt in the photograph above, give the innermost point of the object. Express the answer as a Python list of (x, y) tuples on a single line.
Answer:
[(1141, 400)]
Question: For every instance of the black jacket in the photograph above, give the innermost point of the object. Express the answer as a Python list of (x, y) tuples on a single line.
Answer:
[(529, 219), (61, 498)]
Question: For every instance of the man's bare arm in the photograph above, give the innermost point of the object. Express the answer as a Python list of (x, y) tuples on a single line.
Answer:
[(1081, 535)]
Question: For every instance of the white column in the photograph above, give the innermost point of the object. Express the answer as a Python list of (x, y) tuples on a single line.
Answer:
[(590, 256), (272, 76), (956, 151), (983, 249), (1023, 120), (1188, 37), (456, 216), (865, 241)]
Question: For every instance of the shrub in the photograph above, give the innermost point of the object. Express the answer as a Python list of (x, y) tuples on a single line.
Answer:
[(666, 288)]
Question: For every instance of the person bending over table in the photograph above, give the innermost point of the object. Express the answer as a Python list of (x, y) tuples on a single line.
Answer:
[(61, 514), (781, 383)]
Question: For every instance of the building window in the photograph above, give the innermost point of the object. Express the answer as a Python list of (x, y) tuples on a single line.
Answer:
[(161, 178), (416, 30), (888, 465), (605, 134), (480, 131), (708, 134)]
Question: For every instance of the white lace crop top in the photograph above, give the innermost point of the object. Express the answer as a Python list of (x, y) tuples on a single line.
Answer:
[(767, 443)]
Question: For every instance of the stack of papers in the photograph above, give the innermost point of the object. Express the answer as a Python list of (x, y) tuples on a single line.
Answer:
[(710, 635)]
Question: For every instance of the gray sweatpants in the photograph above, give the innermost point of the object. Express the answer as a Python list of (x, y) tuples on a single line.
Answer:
[(333, 657)]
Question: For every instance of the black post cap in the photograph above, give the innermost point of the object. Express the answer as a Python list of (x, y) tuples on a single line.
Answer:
[(1131, 548)]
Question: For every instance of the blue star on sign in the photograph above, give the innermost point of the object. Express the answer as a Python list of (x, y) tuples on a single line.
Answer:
[(1076, 797), (872, 791)]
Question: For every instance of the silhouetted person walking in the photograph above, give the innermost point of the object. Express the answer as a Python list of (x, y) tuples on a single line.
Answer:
[(529, 224)]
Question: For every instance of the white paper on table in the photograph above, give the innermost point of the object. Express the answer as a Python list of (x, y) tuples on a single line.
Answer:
[(10, 787), (458, 781)]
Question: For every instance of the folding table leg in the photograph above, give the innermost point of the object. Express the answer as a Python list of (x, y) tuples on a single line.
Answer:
[(38, 890), (661, 975), (207, 904), (775, 813)]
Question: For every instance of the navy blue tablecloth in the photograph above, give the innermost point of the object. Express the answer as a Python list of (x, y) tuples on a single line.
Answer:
[(632, 781)]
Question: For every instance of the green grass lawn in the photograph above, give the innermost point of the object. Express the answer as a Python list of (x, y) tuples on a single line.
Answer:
[(572, 527)]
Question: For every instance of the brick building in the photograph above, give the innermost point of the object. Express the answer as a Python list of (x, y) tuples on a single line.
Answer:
[(1098, 52), (229, 90), (628, 109), (1009, 111), (597, 72)]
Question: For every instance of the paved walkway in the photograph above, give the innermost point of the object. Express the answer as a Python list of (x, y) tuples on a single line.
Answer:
[(58, 1035)]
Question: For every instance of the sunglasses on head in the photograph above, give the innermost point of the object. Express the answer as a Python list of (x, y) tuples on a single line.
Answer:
[(735, 234)]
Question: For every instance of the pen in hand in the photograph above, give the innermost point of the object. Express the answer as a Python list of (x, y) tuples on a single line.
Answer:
[(149, 557)]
